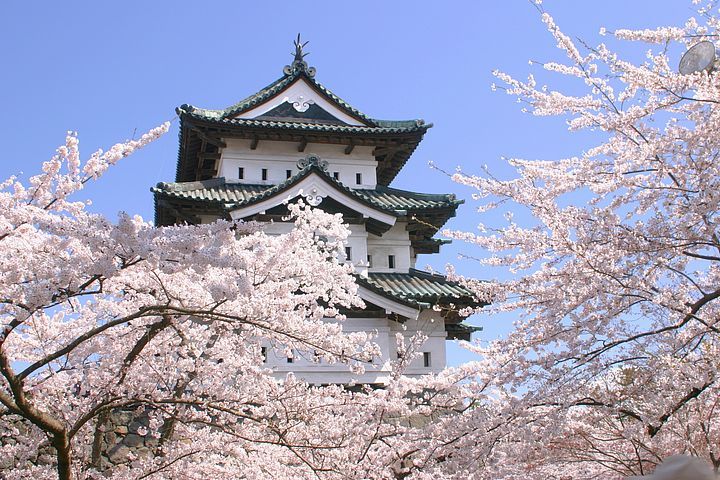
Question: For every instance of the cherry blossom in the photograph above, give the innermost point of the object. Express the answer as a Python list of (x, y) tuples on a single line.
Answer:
[(100, 317), (614, 264)]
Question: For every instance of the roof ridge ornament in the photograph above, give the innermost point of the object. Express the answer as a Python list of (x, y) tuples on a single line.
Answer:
[(299, 64), (312, 159)]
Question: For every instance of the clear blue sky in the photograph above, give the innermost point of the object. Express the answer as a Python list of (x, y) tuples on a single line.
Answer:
[(106, 69)]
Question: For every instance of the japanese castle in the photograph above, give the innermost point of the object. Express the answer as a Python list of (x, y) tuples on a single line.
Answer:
[(296, 139)]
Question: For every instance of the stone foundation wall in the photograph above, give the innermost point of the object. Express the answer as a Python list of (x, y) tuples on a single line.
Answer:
[(120, 437), (14, 431), (125, 435)]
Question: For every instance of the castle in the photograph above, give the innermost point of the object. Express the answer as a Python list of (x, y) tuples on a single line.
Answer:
[(296, 139)]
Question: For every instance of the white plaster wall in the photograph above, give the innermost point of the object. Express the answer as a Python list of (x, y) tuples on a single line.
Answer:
[(395, 241), (305, 366), (278, 157), (357, 241), (413, 257), (429, 322)]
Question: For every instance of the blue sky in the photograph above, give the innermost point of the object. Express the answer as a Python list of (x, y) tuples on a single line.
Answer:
[(108, 69)]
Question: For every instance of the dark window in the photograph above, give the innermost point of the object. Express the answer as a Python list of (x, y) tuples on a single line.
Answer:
[(348, 253), (426, 359), (241, 173), (290, 359), (263, 352), (358, 178), (369, 260), (336, 175), (391, 261), (264, 173), (288, 173)]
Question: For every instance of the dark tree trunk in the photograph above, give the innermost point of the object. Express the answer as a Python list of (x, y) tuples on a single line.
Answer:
[(64, 457), (98, 438)]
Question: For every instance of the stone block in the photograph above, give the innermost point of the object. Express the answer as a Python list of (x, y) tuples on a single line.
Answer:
[(118, 454), (110, 438), (45, 459), (137, 425), (6, 463), (152, 442), (133, 440), (143, 452), (120, 417)]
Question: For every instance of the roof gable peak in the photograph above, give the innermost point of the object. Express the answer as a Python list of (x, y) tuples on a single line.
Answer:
[(296, 90), (304, 99)]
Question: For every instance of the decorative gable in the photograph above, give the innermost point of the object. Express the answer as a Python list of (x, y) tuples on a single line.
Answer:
[(301, 101), (300, 111), (315, 185)]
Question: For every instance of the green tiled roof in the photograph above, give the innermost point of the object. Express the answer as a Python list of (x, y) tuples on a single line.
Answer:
[(243, 104), (388, 127), (405, 200), (284, 82), (460, 331), (215, 190), (422, 289), (233, 195), (418, 287)]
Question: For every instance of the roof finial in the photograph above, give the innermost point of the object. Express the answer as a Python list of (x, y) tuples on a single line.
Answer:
[(299, 55), (299, 64)]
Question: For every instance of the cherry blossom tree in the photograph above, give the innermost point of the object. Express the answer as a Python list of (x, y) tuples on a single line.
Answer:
[(611, 367), (130, 352), (167, 326), (614, 267)]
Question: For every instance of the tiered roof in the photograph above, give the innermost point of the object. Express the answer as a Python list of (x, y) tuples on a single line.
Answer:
[(423, 290), (427, 212), (233, 195), (418, 288), (201, 129), (197, 190)]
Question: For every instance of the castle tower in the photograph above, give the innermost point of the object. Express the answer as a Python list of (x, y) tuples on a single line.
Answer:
[(296, 139)]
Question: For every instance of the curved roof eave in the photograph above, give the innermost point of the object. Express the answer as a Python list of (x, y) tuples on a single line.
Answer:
[(283, 83), (269, 197)]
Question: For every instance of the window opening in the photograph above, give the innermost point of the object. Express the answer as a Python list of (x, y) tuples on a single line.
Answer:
[(391, 261)]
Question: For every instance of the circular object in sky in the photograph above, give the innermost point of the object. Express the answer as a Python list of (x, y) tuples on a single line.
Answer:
[(699, 57)]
